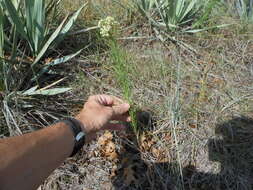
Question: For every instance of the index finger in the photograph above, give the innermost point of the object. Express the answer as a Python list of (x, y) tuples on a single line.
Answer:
[(108, 100)]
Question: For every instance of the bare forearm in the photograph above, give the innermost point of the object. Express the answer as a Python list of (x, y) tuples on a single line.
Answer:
[(27, 160), (36, 155)]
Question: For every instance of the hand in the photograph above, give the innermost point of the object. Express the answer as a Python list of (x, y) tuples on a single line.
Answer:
[(99, 111)]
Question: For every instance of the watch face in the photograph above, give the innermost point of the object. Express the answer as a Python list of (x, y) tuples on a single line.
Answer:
[(79, 136)]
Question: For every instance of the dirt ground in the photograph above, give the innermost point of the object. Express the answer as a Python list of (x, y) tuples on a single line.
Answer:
[(197, 110)]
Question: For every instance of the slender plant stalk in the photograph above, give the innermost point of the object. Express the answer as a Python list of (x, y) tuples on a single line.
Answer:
[(122, 69), (175, 115)]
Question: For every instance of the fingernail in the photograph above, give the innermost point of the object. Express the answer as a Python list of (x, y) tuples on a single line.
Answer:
[(126, 106)]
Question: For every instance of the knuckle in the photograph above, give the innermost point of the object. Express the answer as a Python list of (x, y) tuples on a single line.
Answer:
[(90, 98)]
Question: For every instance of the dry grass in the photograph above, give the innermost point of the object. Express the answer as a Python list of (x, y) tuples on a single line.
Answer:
[(202, 104)]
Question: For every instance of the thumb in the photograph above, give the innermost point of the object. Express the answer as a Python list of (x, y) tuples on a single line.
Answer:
[(120, 109)]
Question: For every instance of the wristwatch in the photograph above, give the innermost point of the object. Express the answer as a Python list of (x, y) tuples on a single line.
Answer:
[(79, 135)]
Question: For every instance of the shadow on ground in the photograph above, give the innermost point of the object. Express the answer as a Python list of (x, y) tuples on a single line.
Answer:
[(233, 148)]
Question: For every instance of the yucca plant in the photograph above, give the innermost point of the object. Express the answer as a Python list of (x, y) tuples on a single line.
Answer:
[(27, 36), (28, 17), (245, 9), (176, 15), (169, 18), (146, 6)]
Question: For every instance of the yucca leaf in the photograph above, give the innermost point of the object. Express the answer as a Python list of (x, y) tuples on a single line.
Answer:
[(30, 23), (39, 23), (35, 18), (179, 4), (54, 63), (189, 8), (207, 28), (1, 50), (16, 3), (48, 43), (48, 92), (30, 91), (51, 5), (71, 20), (15, 17), (1, 35), (69, 24), (14, 44)]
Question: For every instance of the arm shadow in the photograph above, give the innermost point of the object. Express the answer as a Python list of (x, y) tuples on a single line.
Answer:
[(232, 148)]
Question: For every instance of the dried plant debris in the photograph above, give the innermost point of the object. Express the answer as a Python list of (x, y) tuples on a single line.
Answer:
[(107, 147)]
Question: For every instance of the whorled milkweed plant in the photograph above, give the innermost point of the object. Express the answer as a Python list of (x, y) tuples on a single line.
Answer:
[(122, 71), (107, 27), (121, 68)]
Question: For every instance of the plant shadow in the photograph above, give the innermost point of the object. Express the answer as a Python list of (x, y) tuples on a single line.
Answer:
[(232, 148)]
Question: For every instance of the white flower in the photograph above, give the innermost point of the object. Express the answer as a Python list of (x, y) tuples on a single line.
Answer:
[(106, 26)]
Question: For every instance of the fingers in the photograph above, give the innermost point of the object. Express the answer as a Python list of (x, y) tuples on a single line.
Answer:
[(120, 110), (107, 100), (124, 118), (116, 107), (114, 126)]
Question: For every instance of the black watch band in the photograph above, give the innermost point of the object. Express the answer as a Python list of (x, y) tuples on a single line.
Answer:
[(79, 134)]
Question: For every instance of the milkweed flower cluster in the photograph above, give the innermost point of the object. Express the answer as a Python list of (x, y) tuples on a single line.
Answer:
[(107, 26)]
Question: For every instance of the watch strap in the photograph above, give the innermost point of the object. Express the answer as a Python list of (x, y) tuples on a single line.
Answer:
[(79, 135)]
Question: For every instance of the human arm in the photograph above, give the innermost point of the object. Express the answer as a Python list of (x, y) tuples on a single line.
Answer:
[(25, 161)]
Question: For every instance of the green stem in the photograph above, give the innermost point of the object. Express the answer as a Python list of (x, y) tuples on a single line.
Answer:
[(122, 69)]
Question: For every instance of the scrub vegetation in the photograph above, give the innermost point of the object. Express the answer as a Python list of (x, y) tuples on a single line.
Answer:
[(185, 66)]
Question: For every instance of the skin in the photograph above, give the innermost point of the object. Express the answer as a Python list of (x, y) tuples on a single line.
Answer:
[(27, 160)]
